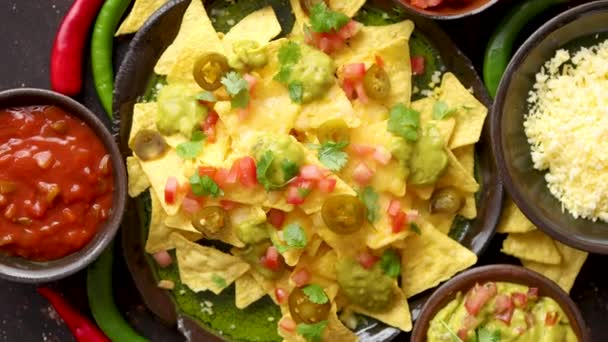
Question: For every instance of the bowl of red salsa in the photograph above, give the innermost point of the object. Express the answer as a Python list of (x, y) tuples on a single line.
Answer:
[(445, 9), (62, 186)]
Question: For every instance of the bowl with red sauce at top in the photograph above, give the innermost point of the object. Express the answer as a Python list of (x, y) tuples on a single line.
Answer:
[(62, 186), (445, 9)]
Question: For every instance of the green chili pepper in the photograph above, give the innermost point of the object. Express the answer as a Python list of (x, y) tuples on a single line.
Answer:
[(101, 49), (500, 46), (101, 300)]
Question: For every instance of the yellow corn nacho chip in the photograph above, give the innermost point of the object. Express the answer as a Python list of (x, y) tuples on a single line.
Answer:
[(425, 107), (196, 36), (430, 258), (512, 220), (247, 291), (138, 182), (470, 114), (466, 157), (141, 11), (457, 176), (382, 233), (301, 19), (441, 221), (144, 117), (205, 268), (260, 26), (348, 7), (397, 316), (158, 172), (334, 105), (533, 246), (565, 273)]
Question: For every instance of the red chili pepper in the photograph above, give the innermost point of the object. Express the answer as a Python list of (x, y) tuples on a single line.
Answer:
[(80, 326), (69, 45)]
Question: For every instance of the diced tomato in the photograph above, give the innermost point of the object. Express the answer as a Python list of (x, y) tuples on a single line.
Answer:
[(462, 334), (394, 208), (417, 65), (382, 155), (398, 222), (327, 185), (366, 259), (287, 324), (520, 300), (271, 259), (235, 173), (353, 71), (247, 172), (221, 178), (361, 94), (295, 195), (379, 61), (207, 171), (362, 150), (301, 277), (276, 218), (209, 126), (362, 173), (349, 89), (503, 308), (190, 205), (163, 258), (533, 293), (470, 322), (281, 295), (311, 172), (171, 190), (329, 42), (551, 318), (228, 205), (243, 113), (349, 30), (478, 296), (251, 82)]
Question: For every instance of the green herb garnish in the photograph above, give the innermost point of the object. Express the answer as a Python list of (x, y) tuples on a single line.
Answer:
[(191, 149), (369, 197), (414, 227), (442, 111), (296, 91), (315, 294), (404, 122), (238, 88), (218, 281), (331, 155), (312, 332), (204, 186), (390, 263), (323, 19)]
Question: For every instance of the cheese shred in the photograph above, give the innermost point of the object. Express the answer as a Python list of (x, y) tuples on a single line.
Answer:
[(567, 128)]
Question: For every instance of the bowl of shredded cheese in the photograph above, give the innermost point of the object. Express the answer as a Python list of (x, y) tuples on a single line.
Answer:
[(550, 127)]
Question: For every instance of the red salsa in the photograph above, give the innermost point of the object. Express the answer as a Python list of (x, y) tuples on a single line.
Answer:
[(56, 183)]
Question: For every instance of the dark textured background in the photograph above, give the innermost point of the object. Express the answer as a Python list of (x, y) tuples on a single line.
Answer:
[(27, 28)]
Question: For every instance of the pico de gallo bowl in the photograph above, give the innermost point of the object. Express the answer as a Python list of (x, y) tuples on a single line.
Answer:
[(62, 185), (500, 303)]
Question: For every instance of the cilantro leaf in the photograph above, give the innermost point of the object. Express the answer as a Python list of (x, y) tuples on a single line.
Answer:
[(294, 236), (262, 167), (315, 294), (390, 263), (283, 75), (289, 53), (280, 247), (442, 111), (296, 91), (238, 88), (322, 19), (453, 335), (204, 186), (332, 156), (290, 168), (240, 100), (206, 96), (312, 332), (303, 192), (485, 335), (369, 197), (414, 227), (218, 281), (191, 149), (404, 122)]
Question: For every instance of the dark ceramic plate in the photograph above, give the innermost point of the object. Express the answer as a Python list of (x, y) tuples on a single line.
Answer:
[(136, 76), (449, 10), (584, 25)]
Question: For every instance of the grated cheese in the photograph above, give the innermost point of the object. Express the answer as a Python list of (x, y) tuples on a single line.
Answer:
[(567, 128)]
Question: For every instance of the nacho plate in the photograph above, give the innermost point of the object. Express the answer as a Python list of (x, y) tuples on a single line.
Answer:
[(133, 81)]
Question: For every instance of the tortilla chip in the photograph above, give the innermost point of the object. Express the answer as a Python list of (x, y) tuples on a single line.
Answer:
[(138, 182), (334, 331), (247, 291), (196, 36), (348, 7), (325, 264), (466, 157), (205, 268), (532, 246), (382, 235), (441, 221), (301, 19), (425, 107), (144, 117), (158, 233), (260, 26), (565, 273), (350, 247), (270, 285), (469, 209), (398, 316), (430, 258), (141, 11), (334, 105), (457, 176), (470, 114), (512, 220), (297, 216)]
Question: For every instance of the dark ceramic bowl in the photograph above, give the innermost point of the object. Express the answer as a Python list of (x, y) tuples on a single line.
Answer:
[(26, 271), (526, 185), (499, 273), (448, 10)]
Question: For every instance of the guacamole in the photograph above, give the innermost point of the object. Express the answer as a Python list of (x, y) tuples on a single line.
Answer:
[(248, 54), (370, 289), (178, 110), (315, 71), (513, 312), (429, 159), (278, 158), (252, 232)]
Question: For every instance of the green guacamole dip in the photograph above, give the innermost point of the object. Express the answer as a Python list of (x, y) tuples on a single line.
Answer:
[(284, 155), (248, 54), (511, 313), (315, 71)]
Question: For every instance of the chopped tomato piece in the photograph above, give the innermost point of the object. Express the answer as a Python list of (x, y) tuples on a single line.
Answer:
[(221, 178), (311, 172), (417, 64), (520, 300), (394, 208), (281, 295), (295, 195), (234, 175), (276, 218), (353, 71), (301, 277), (362, 150), (478, 296), (271, 259), (349, 30), (362, 173), (349, 89), (462, 334), (367, 260), (533, 293), (361, 94), (329, 42), (327, 185), (382, 155), (228, 205), (163, 258), (379, 61), (209, 126), (251, 82), (551, 318), (171, 190), (287, 324), (503, 308), (398, 221), (247, 172), (207, 171), (190, 205)]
